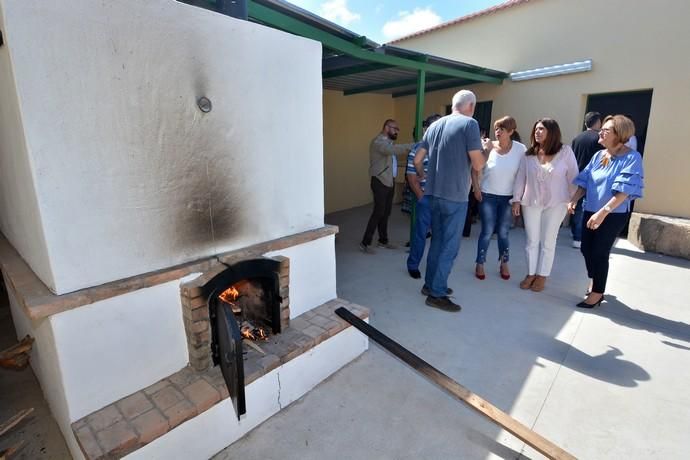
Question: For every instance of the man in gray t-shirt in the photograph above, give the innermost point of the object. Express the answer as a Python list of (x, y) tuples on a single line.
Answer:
[(452, 137), (454, 148)]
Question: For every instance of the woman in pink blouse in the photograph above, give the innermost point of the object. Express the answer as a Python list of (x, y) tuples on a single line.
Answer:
[(542, 190)]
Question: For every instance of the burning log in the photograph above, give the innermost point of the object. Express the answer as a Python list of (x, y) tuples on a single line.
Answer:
[(496, 415), (17, 356), (251, 332)]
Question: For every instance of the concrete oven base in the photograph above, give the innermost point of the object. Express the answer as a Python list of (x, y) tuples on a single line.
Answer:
[(188, 415), (98, 348)]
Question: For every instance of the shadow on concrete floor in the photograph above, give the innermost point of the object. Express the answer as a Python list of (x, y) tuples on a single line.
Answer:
[(569, 374), (620, 313)]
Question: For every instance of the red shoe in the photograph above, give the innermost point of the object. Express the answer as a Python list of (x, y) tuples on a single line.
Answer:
[(479, 272), (505, 274)]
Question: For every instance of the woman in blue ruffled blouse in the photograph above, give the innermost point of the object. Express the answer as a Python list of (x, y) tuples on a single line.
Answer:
[(610, 181)]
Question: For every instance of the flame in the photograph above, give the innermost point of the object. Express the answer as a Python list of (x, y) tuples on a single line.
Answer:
[(230, 295), (247, 333), (252, 333)]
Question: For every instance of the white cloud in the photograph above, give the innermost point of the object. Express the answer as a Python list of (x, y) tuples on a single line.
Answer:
[(337, 11), (408, 23)]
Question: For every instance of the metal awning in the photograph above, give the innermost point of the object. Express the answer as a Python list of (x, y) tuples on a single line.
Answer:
[(354, 64)]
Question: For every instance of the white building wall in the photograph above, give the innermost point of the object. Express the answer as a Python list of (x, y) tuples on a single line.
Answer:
[(312, 274), (115, 347), (129, 175), (633, 46)]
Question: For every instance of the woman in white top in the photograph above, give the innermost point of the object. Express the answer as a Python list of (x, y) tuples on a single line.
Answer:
[(496, 191), (543, 186)]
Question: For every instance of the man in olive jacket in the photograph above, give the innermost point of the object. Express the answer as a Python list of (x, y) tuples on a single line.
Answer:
[(383, 168)]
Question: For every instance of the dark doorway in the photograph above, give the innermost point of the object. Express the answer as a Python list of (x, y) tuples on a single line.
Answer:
[(482, 113), (636, 105)]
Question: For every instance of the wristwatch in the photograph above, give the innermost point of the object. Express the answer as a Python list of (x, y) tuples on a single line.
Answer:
[(607, 208)]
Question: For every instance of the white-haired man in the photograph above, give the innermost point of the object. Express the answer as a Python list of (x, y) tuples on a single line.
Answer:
[(455, 147)]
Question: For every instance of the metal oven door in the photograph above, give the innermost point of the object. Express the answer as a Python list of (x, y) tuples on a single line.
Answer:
[(230, 358)]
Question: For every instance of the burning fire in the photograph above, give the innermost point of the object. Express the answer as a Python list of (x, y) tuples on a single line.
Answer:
[(230, 295), (247, 329), (253, 333)]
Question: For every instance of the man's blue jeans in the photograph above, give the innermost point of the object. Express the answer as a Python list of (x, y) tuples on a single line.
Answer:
[(447, 219), (576, 220), (422, 224), (496, 212)]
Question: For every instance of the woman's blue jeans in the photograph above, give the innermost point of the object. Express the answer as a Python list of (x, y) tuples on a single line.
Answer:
[(495, 213)]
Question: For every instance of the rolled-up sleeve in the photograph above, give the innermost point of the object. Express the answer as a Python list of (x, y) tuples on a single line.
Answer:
[(630, 179), (582, 179)]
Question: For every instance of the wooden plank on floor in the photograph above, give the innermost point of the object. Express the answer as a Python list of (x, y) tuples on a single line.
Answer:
[(493, 413)]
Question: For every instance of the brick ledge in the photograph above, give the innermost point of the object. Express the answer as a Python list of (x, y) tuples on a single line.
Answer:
[(136, 420), (39, 302)]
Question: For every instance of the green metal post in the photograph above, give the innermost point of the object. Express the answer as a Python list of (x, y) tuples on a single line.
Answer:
[(418, 133), (419, 112)]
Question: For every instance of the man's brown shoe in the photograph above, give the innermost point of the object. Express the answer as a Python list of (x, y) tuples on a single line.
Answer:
[(527, 282), (442, 303), (538, 283)]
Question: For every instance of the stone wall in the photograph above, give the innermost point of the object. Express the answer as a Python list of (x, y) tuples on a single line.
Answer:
[(666, 235)]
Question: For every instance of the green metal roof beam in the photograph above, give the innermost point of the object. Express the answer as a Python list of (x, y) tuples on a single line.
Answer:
[(455, 84), (389, 85), (292, 25), (353, 70)]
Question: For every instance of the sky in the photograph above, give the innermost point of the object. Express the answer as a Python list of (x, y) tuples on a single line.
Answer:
[(386, 20)]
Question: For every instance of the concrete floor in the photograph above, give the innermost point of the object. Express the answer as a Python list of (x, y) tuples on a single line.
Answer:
[(608, 383)]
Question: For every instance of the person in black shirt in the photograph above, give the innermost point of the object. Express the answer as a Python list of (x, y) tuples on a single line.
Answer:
[(585, 145)]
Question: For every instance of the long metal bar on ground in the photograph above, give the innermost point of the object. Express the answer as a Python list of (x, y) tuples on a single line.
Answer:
[(482, 406)]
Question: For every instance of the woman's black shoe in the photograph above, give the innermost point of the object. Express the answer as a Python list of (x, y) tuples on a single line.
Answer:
[(584, 304)]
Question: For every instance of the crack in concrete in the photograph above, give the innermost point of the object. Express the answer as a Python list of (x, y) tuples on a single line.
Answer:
[(280, 405)]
